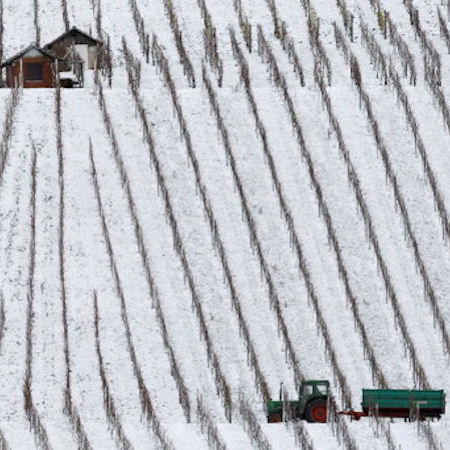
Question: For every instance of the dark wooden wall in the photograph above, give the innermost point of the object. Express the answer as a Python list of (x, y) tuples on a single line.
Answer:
[(13, 73)]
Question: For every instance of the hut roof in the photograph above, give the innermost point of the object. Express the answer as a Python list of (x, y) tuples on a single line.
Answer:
[(19, 55), (80, 37)]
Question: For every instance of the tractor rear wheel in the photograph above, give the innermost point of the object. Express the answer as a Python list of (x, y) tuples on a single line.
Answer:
[(316, 411), (274, 418)]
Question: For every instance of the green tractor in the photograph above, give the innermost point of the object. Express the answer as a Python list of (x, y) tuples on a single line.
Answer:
[(310, 406)]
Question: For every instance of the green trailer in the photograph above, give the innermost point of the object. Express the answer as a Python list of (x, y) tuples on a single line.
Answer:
[(402, 403)]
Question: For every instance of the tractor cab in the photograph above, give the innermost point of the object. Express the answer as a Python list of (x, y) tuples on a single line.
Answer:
[(311, 404)]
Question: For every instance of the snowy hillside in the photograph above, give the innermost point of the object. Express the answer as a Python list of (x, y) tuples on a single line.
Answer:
[(252, 192)]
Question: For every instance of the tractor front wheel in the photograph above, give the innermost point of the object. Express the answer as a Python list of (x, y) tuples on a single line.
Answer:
[(274, 418), (316, 411)]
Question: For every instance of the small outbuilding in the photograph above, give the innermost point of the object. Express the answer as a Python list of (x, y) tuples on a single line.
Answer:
[(75, 45), (34, 67)]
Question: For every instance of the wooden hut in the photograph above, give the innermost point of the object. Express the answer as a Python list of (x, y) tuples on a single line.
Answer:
[(34, 67), (75, 45)]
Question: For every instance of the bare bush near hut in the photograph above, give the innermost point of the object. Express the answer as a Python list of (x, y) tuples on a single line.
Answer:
[(288, 218), (222, 386), (32, 415), (139, 23), (255, 242), (252, 358), (115, 425), (139, 235), (69, 408), (104, 51), (188, 68), (208, 427), (244, 24), (210, 42), (8, 126), (148, 411), (37, 26), (65, 14)]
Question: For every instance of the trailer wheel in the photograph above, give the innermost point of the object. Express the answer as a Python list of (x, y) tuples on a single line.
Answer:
[(274, 418), (316, 411)]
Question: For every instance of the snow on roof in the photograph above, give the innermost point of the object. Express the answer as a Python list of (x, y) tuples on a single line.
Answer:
[(72, 33), (25, 51)]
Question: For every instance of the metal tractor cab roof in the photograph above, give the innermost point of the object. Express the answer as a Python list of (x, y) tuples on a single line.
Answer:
[(315, 387)]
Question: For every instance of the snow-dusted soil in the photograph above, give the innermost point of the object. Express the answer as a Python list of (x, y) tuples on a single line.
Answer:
[(186, 266)]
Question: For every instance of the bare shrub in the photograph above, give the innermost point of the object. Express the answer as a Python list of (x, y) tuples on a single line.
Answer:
[(244, 24), (34, 421), (208, 427), (144, 37), (210, 42), (116, 428), (8, 126), (188, 69), (36, 23), (65, 14), (252, 426), (445, 35)]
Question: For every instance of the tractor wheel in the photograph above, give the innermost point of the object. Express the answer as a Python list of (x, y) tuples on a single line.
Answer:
[(316, 411), (274, 418)]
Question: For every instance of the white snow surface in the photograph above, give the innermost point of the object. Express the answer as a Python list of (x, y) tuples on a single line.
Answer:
[(87, 267)]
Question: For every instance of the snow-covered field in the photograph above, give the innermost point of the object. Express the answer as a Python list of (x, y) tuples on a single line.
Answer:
[(263, 201)]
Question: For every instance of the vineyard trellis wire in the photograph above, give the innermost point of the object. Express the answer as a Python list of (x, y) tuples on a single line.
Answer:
[(429, 292), (222, 386), (287, 215), (148, 410), (153, 292), (116, 428), (32, 415), (267, 56), (376, 54), (419, 373), (261, 382), (338, 425), (69, 407)]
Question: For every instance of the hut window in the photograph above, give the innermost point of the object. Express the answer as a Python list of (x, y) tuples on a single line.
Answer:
[(34, 72)]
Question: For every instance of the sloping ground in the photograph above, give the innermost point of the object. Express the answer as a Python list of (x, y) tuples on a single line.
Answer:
[(171, 253)]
